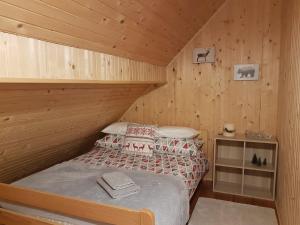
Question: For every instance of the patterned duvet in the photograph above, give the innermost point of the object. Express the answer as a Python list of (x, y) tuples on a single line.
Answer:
[(190, 168)]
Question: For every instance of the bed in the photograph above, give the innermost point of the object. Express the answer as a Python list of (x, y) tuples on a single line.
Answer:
[(189, 168), (165, 180)]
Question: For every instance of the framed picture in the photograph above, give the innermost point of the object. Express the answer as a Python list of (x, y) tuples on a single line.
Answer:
[(246, 72), (204, 55)]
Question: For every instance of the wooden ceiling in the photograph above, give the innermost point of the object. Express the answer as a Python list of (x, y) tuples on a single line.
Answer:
[(151, 31)]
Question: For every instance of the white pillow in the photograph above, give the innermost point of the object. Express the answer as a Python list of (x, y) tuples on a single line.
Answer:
[(177, 132), (116, 128)]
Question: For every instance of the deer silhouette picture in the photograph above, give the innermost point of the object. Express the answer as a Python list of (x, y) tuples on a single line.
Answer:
[(203, 55)]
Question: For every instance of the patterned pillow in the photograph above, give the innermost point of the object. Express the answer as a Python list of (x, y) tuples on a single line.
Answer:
[(139, 139), (111, 141), (178, 146)]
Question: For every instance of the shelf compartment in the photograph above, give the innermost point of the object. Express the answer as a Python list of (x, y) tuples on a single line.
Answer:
[(262, 150), (258, 184), (229, 153), (228, 188), (228, 180), (233, 163), (257, 192), (267, 168)]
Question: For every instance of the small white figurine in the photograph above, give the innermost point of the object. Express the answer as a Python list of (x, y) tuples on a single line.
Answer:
[(229, 130)]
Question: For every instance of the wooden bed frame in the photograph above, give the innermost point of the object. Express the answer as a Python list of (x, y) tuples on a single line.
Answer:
[(73, 207), (69, 206)]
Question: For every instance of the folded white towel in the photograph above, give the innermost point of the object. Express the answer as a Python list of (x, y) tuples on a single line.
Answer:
[(117, 194), (117, 180)]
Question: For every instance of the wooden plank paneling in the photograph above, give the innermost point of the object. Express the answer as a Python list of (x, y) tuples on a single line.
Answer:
[(288, 191), (30, 58), (41, 127), (206, 96), (46, 22), (54, 100), (141, 30)]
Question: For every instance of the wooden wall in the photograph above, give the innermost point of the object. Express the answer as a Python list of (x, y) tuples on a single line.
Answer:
[(40, 124), (205, 96), (23, 57), (141, 30), (288, 192)]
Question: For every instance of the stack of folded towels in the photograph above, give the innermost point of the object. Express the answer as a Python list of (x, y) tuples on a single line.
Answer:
[(118, 185)]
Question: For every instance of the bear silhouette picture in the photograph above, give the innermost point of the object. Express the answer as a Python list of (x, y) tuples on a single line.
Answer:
[(246, 72)]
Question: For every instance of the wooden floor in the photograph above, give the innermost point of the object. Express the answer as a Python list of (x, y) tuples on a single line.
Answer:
[(205, 189)]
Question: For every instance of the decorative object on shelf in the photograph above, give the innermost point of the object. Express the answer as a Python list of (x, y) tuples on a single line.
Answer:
[(258, 135), (254, 159), (265, 162), (259, 162), (229, 130), (204, 55), (246, 72)]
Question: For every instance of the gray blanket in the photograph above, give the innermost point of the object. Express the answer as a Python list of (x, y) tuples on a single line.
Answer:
[(166, 196)]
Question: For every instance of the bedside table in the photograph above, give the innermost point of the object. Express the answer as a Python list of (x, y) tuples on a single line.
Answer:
[(234, 172)]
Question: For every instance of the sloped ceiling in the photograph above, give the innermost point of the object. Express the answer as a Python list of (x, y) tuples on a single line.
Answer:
[(150, 31), (42, 126)]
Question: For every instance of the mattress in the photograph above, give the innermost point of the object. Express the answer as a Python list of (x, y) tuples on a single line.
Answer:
[(165, 196), (190, 169)]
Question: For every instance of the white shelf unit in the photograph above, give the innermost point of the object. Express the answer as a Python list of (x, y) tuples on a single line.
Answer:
[(234, 173)]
